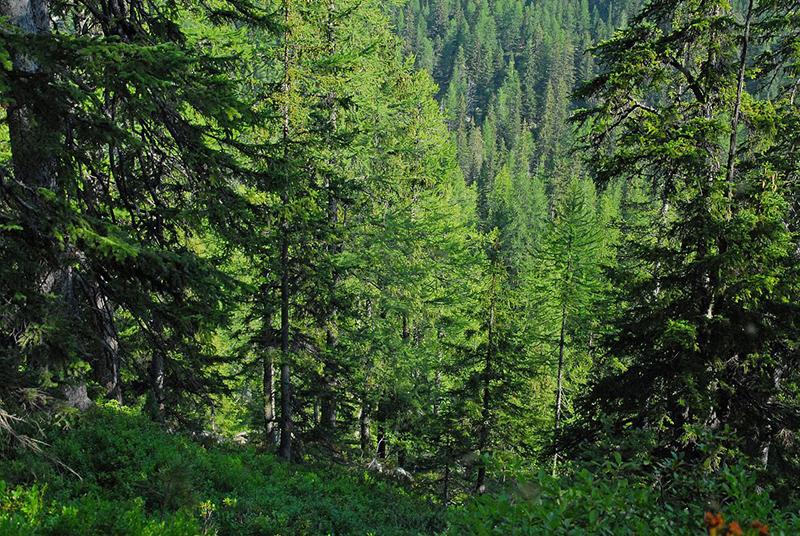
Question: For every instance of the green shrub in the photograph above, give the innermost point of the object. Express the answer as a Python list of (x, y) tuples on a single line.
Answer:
[(137, 479), (619, 498)]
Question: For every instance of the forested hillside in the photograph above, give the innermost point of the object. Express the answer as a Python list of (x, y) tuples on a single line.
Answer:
[(417, 267)]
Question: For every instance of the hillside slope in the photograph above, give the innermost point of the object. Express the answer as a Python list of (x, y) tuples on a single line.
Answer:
[(115, 472)]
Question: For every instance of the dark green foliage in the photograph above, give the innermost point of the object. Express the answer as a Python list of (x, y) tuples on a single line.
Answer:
[(705, 334), (124, 159)]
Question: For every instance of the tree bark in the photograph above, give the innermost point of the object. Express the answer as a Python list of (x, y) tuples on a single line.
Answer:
[(737, 104), (31, 131), (268, 385), (446, 482), (381, 451), (328, 403), (286, 425), (156, 374), (107, 364), (363, 428), (328, 398), (559, 383), (285, 449), (483, 434)]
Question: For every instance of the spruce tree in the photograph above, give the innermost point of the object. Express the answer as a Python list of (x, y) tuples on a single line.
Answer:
[(706, 319)]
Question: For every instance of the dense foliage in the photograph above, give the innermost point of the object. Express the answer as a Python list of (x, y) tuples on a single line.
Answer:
[(479, 266), (140, 480)]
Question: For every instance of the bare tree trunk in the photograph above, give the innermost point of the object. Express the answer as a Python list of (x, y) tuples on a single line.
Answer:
[(739, 90), (269, 347), (363, 428), (381, 451), (107, 364), (63, 282), (483, 433), (285, 449), (156, 373), (328, 398), (31, 132), (328, 378), (446, 482), (766, 443), (270, 430), (559, 383)]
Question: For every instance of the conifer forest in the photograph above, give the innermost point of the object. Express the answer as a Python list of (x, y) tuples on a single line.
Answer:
[(401, 267)]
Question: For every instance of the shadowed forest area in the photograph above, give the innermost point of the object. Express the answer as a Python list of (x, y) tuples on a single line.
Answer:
[(444, 267)]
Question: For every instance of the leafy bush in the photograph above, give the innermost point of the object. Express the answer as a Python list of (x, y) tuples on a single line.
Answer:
[(618, 498), (26, 511), (137, 479)]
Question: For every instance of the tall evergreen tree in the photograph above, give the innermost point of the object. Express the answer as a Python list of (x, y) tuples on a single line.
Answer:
[(706, 328)]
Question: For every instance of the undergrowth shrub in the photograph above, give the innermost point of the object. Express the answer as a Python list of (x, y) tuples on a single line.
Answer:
[(619, 497), (134, 478), (117, 473)]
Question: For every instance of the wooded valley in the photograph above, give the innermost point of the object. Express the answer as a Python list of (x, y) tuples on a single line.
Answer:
[(406, 267)]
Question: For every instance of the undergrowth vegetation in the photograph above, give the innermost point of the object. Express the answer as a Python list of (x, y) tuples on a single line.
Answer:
[(609, 499), (116, 472), (137, 479)]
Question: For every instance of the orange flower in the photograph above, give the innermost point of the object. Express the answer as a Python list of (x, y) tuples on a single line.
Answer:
[(734, 529), (713, 522), (763, 530)]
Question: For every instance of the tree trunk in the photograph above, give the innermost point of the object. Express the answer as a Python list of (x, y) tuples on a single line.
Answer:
[(31, 131), (107, 364), (446, 483), (363, 428), (268, 387), (285, 449), (559, 384), (483, 434), (328, 378), (381, 451), (62, 282), (737, 104), (156, 374), (328, 398)]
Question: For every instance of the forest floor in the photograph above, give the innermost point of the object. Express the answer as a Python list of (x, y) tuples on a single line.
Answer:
[(114, 472)]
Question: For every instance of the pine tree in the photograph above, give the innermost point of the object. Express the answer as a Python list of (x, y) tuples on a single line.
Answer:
[(705, 316), (567, 280), (118, 146)]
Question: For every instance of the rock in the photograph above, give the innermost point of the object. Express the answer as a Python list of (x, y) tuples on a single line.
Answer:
[(402, 474), (77, 397)]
